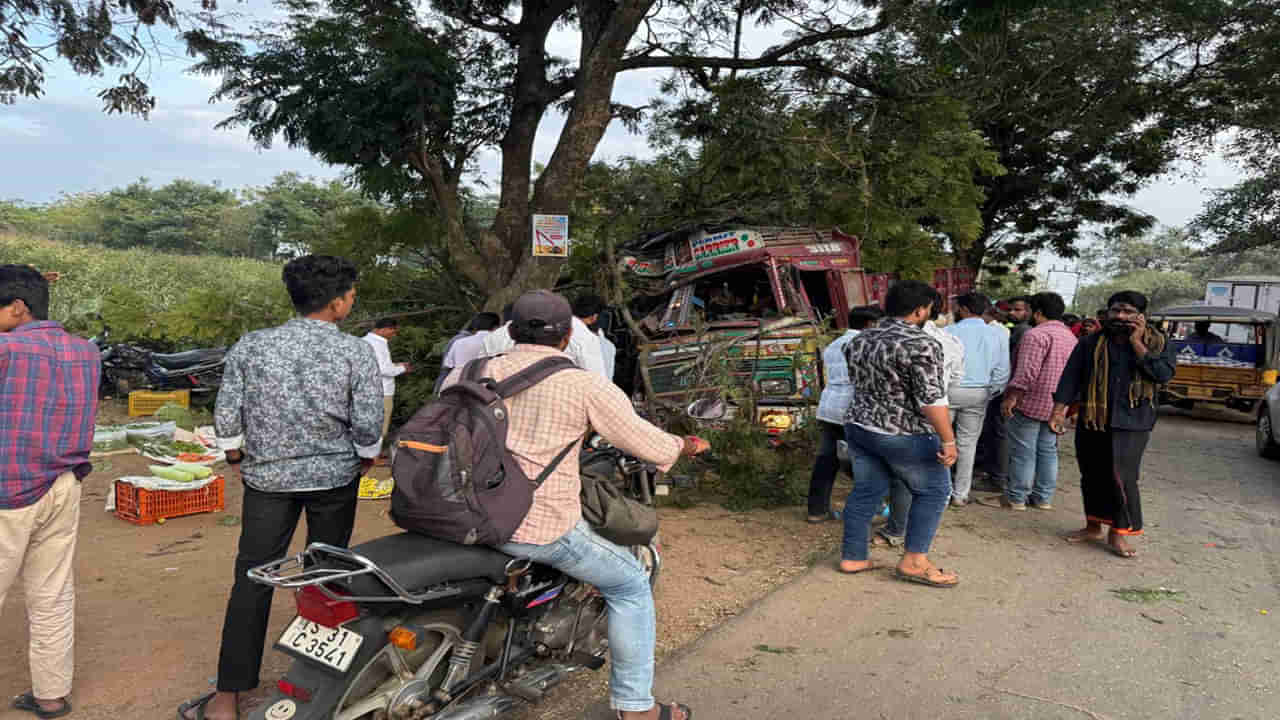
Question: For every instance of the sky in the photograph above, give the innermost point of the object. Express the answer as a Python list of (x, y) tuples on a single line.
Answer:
[(63, 142)]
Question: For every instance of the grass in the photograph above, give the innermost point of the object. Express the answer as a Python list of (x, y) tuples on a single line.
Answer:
[(1148, 596)]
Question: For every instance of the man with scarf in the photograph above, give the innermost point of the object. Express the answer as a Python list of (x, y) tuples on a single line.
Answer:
[(1115, 376)]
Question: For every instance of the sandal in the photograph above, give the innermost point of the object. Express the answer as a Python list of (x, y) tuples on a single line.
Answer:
[(924, 579), (27, 702), (882, 540), (198, 705)]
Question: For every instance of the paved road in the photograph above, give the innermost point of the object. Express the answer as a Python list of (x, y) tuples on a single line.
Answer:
[(1034, 630)]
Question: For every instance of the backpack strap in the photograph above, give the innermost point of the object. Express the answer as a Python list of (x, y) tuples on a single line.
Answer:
[(546, 472), (471, 372), (532, 375)]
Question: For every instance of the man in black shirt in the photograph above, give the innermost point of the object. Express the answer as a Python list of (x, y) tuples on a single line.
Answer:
[(1115, 376)]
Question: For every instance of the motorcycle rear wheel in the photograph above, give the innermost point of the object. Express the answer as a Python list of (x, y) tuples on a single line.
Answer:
[(380, 681)]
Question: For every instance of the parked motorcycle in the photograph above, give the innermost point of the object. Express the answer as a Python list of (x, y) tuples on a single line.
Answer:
[(127, 367), (407, 627)]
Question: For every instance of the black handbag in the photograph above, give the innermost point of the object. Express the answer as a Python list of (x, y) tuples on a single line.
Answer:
[(614, 516)]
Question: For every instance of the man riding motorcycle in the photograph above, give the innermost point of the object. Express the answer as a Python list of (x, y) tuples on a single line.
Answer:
[(542, 421)]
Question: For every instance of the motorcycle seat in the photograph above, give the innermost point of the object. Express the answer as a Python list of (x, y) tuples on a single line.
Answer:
[(418, 562), (190, 358)]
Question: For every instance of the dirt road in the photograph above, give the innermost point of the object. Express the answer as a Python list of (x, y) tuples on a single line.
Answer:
[(151, 599), (1037, 628), (1033, 617)]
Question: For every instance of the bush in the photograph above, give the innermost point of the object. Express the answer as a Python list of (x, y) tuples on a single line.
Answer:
[(159, 299), (751, 473)]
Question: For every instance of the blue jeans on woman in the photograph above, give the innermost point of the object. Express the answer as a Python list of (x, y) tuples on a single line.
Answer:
[(878, 458), (621, 579), (1033, 460)]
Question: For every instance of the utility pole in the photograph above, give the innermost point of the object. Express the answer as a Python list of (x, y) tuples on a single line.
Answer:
[(1075, 281)]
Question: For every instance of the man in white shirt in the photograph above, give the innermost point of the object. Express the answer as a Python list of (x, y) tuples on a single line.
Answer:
[(833, 404), (587, 308), (471, 347), (584, 346), (383, 330)]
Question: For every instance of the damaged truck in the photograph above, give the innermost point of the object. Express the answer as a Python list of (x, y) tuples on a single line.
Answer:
[(735, 315)]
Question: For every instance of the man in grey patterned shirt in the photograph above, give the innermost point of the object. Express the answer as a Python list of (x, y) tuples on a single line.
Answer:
[(300, 413), (898, 427)]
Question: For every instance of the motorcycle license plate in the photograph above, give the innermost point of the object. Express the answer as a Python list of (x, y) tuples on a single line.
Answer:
[(333, 647)]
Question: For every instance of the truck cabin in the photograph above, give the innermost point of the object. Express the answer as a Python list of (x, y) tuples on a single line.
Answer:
[(759, 296)]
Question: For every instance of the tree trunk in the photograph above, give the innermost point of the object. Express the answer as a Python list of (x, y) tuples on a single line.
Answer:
[(605, 33)]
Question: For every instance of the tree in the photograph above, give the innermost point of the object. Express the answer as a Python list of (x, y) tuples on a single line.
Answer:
[(1161, 288), (91, 35), (1086, 102), (407, 99)]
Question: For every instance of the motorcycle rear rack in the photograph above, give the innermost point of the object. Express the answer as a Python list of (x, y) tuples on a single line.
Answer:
[(299, 571)]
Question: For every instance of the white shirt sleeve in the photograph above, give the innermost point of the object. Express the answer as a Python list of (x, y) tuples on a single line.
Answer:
[(498, 341), (584, 346)]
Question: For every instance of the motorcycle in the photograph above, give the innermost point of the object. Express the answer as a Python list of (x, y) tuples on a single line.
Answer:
[(408, 627), (127, 367)]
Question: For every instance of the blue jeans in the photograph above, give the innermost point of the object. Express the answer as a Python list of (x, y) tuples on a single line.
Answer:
[(1033, 460), (878, 458), (618, 575)]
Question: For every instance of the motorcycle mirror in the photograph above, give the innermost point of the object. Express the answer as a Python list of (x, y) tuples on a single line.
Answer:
[(707, 409)]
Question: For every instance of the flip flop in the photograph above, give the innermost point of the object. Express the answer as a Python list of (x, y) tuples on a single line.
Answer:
[(27, 702), (198, 704), (923, 579)]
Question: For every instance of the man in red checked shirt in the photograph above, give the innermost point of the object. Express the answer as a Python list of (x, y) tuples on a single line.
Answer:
[(48, 404)]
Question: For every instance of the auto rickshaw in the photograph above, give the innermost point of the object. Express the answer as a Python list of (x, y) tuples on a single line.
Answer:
[(1226, 355)]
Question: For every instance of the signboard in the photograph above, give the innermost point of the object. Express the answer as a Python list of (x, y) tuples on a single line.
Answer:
[(551, 236), (728, 242)]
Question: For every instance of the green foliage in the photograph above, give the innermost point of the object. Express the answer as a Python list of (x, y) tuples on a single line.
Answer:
[(157, 298), (1244, 216), (90, 36), (749, 473), (290, 215), (1169, 266), (1085, 102), (359, 85)]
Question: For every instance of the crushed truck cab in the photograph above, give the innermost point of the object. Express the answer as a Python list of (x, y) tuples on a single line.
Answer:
[(740, 310)]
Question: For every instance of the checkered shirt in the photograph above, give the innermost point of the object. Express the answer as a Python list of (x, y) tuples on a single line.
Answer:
[(1042, 356), (48, 404), (560, 410)]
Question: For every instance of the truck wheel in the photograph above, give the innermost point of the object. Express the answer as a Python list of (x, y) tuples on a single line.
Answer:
[(1266, 435)]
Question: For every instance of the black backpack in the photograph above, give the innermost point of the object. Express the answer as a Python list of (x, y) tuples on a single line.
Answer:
[(454, 477)]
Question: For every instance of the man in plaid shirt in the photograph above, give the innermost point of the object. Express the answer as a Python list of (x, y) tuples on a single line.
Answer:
[(1028, 404), (544, 420), (48, 404)]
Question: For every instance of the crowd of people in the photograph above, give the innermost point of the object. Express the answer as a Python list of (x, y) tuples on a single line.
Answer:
[(303, 413), (921, 406)]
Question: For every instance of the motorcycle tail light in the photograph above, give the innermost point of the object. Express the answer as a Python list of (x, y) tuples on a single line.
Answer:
[(321, 609), (294, 691)]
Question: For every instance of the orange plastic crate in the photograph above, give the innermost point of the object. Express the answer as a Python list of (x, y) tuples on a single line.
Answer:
[(146, 402), (144, 507)]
